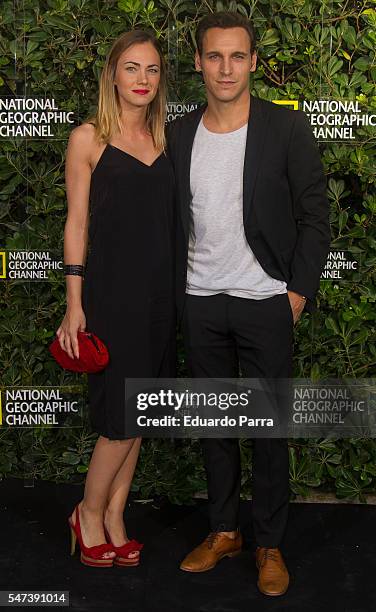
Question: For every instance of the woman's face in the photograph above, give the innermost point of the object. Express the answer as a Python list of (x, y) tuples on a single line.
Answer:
[(138, 74)]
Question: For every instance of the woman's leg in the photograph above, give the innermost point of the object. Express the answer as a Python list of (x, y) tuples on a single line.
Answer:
[(118, 495), (107, 458)]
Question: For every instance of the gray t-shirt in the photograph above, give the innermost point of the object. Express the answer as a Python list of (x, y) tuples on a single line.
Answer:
[(220, 259)]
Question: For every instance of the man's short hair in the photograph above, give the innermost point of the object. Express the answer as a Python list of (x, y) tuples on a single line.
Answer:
[(225, 20)]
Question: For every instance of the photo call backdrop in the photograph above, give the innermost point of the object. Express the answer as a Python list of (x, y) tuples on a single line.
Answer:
[(317, 56)]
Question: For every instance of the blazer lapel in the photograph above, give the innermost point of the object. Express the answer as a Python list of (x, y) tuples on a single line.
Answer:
[(257, 128), (191, 125)]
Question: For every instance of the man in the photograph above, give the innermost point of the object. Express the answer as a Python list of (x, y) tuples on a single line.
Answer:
[(252, 240)]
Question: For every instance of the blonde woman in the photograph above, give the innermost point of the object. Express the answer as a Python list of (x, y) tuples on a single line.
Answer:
[(120, 203)]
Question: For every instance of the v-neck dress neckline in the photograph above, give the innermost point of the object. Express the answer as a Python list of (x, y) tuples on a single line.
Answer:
[(135, 158)]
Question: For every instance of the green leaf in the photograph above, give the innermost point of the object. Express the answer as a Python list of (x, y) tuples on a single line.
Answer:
[(331, 324), (270, 37), (334, 65), (362, 63), (342, 219), (349, 36), (315, 371)]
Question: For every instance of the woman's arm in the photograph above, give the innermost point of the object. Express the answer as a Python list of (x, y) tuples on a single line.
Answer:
[(77, 177)]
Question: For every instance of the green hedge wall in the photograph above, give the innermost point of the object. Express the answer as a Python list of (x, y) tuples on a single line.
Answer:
[(307, 49)]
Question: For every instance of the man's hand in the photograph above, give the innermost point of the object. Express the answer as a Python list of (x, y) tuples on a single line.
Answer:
[(297, 303)]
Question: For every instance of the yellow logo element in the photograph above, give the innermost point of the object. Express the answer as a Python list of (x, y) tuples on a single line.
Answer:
[(3, 267), (293, 103)]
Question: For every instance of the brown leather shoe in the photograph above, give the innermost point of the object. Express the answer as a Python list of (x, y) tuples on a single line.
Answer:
[(206, 556), (273, 575)]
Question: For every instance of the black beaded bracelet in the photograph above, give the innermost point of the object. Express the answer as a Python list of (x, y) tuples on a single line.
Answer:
[(74, 270)]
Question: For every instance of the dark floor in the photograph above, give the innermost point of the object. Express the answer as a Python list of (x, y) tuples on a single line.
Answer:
[(330, 551)]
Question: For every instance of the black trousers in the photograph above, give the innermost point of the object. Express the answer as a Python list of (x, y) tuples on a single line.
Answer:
[(223, 334)]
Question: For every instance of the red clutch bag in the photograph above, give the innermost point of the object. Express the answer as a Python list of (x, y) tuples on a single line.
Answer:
[(93, 354)]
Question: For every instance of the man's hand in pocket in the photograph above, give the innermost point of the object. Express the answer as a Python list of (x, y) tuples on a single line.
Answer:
[(297, 303)]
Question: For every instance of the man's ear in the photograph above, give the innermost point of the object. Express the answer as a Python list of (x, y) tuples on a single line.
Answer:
[(253, 61), (197, 62)]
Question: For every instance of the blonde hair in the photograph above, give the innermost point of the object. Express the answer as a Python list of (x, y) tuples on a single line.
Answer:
[(107, 120)]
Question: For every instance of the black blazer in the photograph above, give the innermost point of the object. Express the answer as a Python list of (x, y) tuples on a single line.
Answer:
[(285, 208)]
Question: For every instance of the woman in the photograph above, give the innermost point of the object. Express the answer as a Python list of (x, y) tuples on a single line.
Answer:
[(118, 165)]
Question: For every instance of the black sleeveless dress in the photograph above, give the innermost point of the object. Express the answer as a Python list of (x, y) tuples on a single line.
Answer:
[(128, 293)]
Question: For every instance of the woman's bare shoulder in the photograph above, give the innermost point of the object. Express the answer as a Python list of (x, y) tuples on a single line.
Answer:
[(83, 145), (83, 135)]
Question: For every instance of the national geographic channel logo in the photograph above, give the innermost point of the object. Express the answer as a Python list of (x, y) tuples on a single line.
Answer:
[(333, 120), (343, 265), (42, 406), (33, 117), (179, 109), (29, 265)]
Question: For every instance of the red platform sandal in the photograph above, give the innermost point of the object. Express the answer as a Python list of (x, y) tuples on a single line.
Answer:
[(90, 555), (122, 552)]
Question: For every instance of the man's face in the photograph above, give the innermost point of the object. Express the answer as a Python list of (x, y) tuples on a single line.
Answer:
[(226, 62)]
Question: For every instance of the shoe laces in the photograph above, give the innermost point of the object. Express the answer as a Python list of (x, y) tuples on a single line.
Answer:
[(271, 553), (212, 537)]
